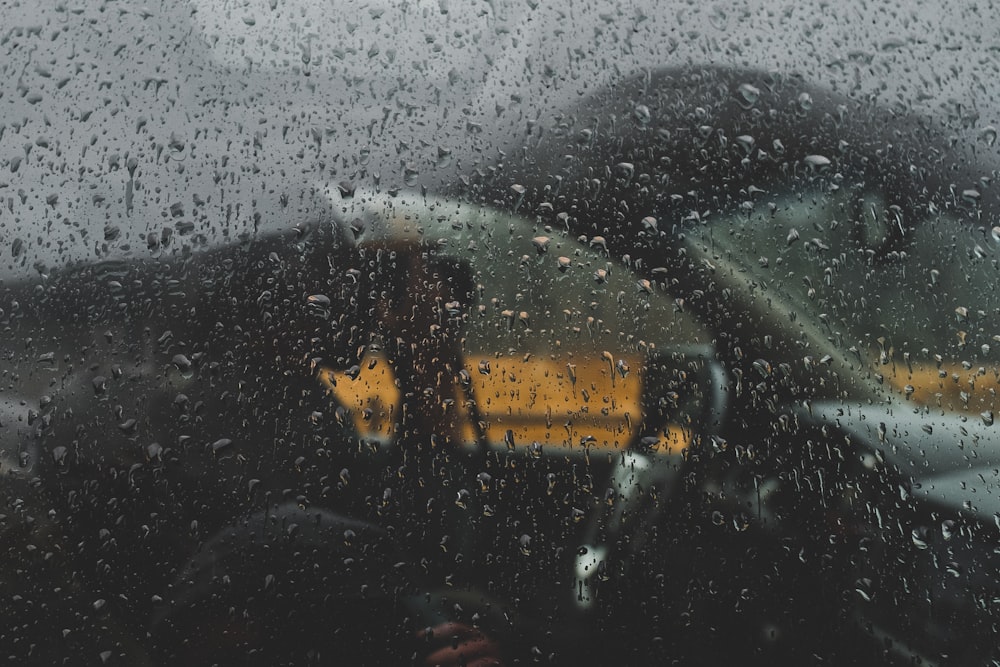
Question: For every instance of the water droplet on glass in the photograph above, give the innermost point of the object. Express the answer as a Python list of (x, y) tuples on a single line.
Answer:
[(747, 95), (410, 175), (221, 444), (346, 189), (319, 300), (508, 438), (988, 135), (816, 162), (181, 363), (59, 455), (625, 170), (892, 43), (971, 196), (746, 142), (484, 480), (864, 588)]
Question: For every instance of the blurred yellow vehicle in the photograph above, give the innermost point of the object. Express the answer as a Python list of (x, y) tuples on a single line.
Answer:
[(553, 338)]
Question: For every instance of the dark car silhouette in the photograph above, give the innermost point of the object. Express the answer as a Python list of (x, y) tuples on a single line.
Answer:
[(700, 371)]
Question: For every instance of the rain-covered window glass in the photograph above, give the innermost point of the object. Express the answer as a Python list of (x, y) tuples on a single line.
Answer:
[(827, 255), (498, 332)]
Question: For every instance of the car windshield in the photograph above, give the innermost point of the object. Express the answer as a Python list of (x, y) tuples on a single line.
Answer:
[(538, 288), (557, 339), (915, 298)]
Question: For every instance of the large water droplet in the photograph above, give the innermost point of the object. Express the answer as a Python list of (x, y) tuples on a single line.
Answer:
[(816, 162), (747, 95), (988, 135)]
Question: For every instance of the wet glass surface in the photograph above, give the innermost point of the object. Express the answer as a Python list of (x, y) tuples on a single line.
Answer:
[(498, 333)]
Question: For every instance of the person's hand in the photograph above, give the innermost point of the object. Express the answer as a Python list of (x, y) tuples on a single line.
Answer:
[(457, 644)]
